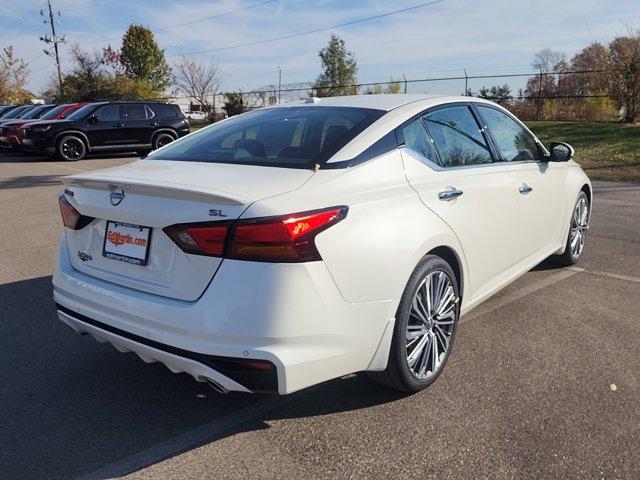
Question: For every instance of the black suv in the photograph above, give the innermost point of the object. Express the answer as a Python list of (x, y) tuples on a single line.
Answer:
[(107, 127)]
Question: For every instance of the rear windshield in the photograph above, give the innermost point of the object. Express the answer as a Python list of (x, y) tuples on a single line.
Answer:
[(290, 137)]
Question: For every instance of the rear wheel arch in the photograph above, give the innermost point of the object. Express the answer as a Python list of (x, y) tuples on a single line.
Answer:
[(587, 190), (160, 131), (450, 256)]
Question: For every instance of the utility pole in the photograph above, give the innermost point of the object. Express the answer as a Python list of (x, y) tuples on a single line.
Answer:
[(466, 83), (279, 85), (55, 40)]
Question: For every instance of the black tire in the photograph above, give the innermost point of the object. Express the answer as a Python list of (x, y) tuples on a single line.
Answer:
[(398, 374), (161, 139), (569, 257), (71, 148)]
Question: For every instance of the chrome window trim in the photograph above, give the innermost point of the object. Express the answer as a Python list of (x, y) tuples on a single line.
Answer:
[(439, 168)]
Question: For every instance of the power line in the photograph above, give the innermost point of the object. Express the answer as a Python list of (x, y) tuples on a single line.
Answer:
[(192, 22), (316, 30), (16, 25)]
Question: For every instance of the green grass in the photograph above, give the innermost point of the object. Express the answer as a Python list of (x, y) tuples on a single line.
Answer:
[(607, 151)]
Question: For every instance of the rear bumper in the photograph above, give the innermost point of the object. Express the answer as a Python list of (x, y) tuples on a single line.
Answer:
[(290, 315), (224, 373)]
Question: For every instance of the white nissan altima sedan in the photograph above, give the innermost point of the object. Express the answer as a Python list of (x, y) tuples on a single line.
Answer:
[(294, 244)]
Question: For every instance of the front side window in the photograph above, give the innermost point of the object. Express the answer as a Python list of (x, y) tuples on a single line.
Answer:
[(457, 137), (416, 138), (108, 113), (292, 137), (514, 142)]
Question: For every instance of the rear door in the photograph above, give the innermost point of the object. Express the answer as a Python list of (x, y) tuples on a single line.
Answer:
[(137, 128), (449, 163), (540, 184), (107, 130)]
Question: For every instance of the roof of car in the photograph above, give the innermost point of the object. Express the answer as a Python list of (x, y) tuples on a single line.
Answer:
[(385, 102)]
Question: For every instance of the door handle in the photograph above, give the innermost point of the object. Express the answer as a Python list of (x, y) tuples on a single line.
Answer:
[(451, 194), (524, 189)]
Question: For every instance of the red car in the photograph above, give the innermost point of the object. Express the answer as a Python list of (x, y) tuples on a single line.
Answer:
[(11, 132)]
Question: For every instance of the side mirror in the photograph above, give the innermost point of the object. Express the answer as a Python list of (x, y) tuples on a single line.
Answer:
[(93, 119), (561, 152)]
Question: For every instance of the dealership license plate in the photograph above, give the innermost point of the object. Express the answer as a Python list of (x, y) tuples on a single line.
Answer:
[(126, 242)]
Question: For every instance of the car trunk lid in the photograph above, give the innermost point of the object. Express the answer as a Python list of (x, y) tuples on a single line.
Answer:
[(157, 194)]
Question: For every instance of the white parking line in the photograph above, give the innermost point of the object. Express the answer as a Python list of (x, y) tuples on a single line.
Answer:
[(617, 276), (522, 292)]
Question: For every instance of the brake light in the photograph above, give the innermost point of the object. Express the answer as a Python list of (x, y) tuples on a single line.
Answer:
[(287, 238), (201, 239), (71, 217)]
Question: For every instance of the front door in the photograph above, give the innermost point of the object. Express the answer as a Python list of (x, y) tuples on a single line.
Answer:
[(450, 165), (540, 184), (107, 128)]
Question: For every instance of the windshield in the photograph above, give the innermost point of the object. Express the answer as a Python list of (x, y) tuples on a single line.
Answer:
[(82, 112), (36, 112), (292, 137), (54, 112), (15, 113)]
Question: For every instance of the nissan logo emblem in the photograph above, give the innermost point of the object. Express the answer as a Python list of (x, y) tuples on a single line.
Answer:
[(116, 195)]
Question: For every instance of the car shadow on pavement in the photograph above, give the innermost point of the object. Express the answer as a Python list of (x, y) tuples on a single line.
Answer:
[(30, 181), (70, 406)]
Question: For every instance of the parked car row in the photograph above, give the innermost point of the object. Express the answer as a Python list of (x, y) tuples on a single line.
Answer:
[(70, 131)]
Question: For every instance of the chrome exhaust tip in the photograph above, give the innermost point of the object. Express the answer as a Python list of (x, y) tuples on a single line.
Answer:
[(216, 386)]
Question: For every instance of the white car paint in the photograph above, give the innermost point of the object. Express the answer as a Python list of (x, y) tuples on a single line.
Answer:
[(317, 320)]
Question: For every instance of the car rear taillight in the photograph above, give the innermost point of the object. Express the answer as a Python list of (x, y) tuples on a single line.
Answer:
[(200, 238), (71, 217), (288, 238)]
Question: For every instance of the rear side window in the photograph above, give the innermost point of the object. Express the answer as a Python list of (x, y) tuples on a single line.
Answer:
[(134, 112), (163, 110), (416, 138), (293, 137), (514, 143), (457, 137)]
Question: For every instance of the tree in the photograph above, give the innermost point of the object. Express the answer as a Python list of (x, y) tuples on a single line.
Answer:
[(199, 82), (97, 76), (88, 81), (13, 78), (234, 103), (546, 60), (339, 70), (624, 55), (143, 60), (391, 87)]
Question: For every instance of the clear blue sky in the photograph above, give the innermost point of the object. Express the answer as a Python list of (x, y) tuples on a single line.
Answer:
[(493, 36)]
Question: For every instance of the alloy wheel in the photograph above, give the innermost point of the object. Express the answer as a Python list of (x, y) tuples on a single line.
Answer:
[(72, 148), (164, 140), (431, 325), (579, 226)]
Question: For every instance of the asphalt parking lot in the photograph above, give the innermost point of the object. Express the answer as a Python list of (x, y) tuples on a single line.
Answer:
[(544, 381)]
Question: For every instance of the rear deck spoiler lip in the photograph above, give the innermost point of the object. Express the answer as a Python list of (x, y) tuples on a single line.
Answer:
[(156, 188)]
